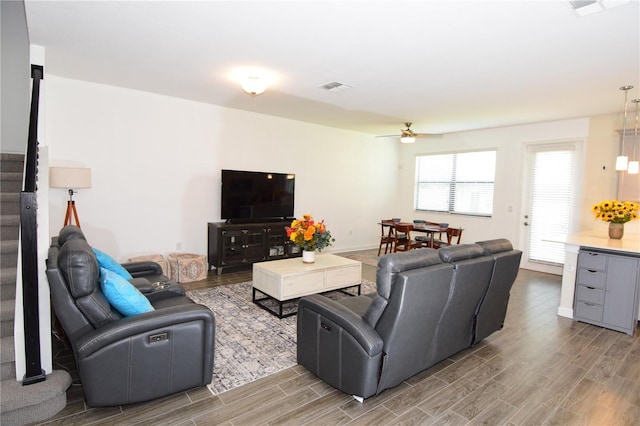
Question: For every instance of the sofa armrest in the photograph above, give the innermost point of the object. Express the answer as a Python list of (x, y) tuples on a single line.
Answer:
[(147, 356), (345, 318), (142, 268), (339, 346), (143, 285), (149, 322)]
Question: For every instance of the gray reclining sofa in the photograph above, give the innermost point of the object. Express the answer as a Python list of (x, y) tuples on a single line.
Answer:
[(429, 305), (124, 360)]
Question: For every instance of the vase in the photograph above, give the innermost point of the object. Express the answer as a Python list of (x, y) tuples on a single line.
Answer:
[(308, 256), (616, 230)]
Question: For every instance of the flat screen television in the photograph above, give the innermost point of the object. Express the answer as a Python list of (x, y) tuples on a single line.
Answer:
[(255, 196)]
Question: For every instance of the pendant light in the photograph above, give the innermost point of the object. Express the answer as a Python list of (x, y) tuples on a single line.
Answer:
[(634, 165), (622, 160)]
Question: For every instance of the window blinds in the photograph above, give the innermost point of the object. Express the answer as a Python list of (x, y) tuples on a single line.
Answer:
[(552, 177), (456, 183)]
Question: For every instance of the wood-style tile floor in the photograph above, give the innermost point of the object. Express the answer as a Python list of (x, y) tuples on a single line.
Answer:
[(540, 369)]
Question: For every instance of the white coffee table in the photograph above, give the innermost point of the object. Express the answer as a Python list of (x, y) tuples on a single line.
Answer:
[(288, 279)]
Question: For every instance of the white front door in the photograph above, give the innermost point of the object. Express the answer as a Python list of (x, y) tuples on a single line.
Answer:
[(549, 199)]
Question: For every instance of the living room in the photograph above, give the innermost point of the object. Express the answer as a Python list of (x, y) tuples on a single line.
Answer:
[(156, 162), (146, 147)]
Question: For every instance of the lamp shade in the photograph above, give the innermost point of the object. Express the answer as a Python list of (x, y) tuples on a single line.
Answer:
[(622, 162), (70, 177)]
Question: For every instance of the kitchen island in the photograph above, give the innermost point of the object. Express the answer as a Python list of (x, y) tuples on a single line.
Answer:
[(628, 246)]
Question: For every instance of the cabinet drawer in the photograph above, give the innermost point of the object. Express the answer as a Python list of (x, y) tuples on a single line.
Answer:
[(301, 285), (591, 260), (588, 311), (341, 277), (591, 278), (590, 294)]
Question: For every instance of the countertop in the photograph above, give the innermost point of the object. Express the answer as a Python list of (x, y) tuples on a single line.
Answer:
[(597, 239)]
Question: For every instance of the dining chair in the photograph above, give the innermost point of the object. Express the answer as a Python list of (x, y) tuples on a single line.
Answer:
[(452, 234), (425, 240), (387, 236), (403, 241)]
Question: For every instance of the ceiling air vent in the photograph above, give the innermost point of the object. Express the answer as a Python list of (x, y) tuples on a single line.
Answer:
[(335, 86), (587, 7)]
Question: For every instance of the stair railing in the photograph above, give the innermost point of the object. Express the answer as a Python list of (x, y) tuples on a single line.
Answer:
[(29, 242)]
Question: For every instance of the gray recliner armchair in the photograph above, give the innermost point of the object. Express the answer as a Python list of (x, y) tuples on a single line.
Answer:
[(124, 360), (363, 345)]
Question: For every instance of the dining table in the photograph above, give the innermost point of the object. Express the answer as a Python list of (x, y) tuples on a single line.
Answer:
[(427, 228)]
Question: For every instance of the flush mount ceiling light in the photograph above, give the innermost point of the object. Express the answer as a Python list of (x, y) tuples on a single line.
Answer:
[(622, 161), (254, 85)]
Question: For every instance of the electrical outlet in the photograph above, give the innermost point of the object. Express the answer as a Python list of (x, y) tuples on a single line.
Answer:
[(178, 246)]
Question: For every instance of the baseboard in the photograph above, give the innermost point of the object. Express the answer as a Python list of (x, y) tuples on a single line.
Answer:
[(350, 249), (565, 312)]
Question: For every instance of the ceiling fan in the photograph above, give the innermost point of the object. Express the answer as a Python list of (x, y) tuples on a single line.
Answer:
[(407, 135)]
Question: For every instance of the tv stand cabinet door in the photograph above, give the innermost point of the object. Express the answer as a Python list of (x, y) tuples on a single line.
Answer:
[(254, 244)]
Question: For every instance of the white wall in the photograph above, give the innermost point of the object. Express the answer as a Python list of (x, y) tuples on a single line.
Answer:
[(156, 164), (601, 179), (15, 72)]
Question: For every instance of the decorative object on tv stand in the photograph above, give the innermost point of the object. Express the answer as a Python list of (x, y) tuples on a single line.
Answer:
[(70, 178), (634, 164), (310, 236), (622, 160), (617, 213)]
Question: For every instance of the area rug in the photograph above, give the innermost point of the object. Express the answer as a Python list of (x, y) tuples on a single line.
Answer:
[(250, 342), (369, 257)]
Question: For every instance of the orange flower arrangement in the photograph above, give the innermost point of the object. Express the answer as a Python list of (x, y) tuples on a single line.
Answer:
[(308, 234)]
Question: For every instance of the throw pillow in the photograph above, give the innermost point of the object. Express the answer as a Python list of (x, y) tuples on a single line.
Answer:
[(107, 262), (122, 295)]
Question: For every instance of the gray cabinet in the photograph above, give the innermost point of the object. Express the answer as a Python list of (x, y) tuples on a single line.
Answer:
[(607, 289)]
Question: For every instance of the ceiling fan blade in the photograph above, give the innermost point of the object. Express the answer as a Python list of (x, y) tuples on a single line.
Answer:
[(408, 133), (417, 135)]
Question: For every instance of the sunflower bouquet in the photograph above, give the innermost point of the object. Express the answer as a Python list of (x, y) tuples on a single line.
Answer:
[(308, 234), (615, 211)]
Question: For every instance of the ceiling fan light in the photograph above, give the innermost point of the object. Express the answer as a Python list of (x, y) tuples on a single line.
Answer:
[(407, 139), (254, 85)]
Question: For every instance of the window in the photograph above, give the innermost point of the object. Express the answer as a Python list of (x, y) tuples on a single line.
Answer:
[(459, 183)]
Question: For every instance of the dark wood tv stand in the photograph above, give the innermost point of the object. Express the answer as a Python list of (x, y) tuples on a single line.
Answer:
[(237, 245)]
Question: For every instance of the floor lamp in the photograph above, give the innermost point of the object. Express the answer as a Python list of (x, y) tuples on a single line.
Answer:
[(70, 178)]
